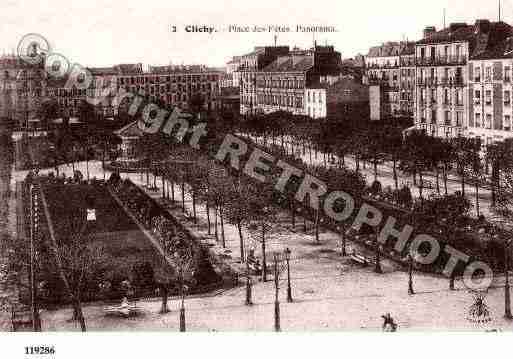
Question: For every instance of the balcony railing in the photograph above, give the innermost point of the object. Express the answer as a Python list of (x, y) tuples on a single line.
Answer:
[(382, 66), (444, 81), (441, 60)]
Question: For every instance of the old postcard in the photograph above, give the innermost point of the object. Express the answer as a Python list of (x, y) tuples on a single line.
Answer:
[(219, 166)]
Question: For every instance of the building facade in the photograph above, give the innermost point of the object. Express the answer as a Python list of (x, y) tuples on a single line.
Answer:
[(490, 87), (283, 85), (248, 67), (445, 83), (390, 70), (22, 87), (338, 100)]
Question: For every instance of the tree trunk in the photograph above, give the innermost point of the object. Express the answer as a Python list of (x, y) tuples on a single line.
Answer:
[(208, 216), (216, 230), (293, 212), (421, 185), (193, 194), (462, 183), (317, 215), (477, 198), (264, 259), (78, 314), (437, 173), (394, 170), (165, 296), (183, 196), (239, 228), (445, 179), (222, 225)]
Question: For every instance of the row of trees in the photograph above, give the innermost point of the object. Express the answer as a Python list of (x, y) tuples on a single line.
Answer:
[(414, 153)]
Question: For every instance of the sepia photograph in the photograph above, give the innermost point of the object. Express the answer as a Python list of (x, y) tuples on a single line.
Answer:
[(247, 167)]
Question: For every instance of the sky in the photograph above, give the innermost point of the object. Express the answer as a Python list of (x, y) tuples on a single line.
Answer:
[(104, 33)]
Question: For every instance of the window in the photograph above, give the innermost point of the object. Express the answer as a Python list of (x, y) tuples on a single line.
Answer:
[(488, 123), (477, 74), (507, 97), (488, 97), (459, 118), (433, 116), (446, 97), (477, 97), (447, 118), (478, 120), (459, 97), (507, 74), (488, 73), (507, 123)]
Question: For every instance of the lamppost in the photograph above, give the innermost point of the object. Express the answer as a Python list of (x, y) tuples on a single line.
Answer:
[(277, 327), (507, 298), (265, 211), (501, 212), (377, 268), (248, 282), (289, 288), (410, 274), (343, 241), (182, 309)]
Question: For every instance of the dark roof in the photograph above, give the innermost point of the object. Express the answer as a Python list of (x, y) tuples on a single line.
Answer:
[(483, 36), (128, 68), (290, 64), (392, 49), (102, 71), (181, 69), (503, 50)]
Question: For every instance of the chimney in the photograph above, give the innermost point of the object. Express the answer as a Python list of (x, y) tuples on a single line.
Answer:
[(429, 31), (457, 25), (483, 25)]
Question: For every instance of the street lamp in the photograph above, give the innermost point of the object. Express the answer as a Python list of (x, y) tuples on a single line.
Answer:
[(507, 298), (289, 288), (277, 326), (264, 259), (410, 274), (377, 268), (343, 241)]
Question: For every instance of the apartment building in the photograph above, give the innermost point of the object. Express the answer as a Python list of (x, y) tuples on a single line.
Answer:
[(22, 87), (444, 103), (338, 100), (490, 87), (390, 72), (282, 85), (248, 67), (169, 85)]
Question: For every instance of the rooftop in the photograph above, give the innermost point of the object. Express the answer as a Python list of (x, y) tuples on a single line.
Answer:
[(392, 49), (484, 37), (290, 64)]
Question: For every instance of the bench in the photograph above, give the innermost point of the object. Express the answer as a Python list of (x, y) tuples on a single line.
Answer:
[(358, 258), (124, 310)]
